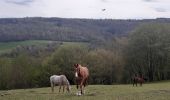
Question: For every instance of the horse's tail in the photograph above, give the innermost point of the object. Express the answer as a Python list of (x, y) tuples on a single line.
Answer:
[(86, 80), (52, 85)]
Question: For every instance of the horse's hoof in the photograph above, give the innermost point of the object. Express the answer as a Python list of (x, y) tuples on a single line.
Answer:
[(78, 93)]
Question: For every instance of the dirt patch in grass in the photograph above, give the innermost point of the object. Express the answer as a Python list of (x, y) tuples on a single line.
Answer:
[(32, 91), (166, 91), (92, 94), (4, 93), (159, 91)]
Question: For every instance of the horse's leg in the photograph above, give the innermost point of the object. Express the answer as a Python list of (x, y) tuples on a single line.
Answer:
[(85, 82), (133, 82), (63, 88), (59, 88), (77, 85), (52, 87), (81, 88), (81, 85)]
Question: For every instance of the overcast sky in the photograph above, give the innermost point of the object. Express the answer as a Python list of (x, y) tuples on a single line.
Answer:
[(114, 9)]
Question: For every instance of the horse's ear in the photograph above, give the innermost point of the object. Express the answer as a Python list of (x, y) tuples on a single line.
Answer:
[(76, 65)]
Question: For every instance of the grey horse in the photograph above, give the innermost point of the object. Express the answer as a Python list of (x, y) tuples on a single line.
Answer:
[(60, 80)]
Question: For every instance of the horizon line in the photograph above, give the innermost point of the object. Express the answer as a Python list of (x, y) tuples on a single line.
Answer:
[(86, 18)]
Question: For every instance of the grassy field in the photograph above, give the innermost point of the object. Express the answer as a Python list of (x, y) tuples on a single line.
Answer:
[(8, 46), (154, 91)]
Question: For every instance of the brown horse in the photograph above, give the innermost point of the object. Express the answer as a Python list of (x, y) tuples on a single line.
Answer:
[(81, 75), (138, 79)]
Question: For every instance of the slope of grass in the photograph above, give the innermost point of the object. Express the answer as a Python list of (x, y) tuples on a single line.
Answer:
[(154, 91), (8, 46)]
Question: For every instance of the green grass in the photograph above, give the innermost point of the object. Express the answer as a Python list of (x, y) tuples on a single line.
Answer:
[(8, 46), (153, 91)]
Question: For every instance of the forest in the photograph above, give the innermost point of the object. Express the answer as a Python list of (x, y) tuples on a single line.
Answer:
[(113, 50)]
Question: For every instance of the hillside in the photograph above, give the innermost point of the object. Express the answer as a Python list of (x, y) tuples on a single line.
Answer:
[(17, 29), (154, 91)]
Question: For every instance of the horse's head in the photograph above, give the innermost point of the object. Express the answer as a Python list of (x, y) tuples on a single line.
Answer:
[(77, 70), (68, 88)]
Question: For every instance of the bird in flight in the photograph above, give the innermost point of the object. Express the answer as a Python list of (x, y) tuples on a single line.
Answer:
[(103, 9)]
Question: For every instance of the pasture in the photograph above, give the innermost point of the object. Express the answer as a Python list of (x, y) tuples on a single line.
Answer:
[(151, 91), (6, 47)]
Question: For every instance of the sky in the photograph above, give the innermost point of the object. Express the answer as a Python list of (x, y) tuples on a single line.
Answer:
[(96, 9)]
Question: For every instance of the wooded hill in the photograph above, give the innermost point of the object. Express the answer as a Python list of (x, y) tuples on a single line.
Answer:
[(61, 29)]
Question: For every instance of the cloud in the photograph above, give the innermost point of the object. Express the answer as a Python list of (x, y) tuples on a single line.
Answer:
[(160, 10), (161, 6), (19, 2), (29, 9), (115, 9), (149, 0), (104, 1)]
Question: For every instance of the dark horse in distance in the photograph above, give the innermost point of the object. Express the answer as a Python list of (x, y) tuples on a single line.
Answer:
[(81, 75), (138, 79)]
